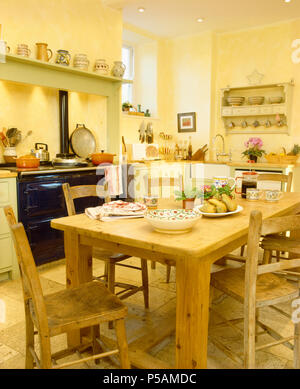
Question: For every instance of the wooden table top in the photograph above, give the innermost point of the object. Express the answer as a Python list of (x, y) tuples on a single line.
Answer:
[(207, 236)]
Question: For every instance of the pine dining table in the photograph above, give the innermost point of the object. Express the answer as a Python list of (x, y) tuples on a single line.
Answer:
[(193, 253)]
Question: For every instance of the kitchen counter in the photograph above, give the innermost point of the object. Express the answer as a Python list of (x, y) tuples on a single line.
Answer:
[(7, 174), (232, 163)]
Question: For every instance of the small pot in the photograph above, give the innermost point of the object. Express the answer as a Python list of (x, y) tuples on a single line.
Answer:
[(98, 158), (188, 203), (27, 162)]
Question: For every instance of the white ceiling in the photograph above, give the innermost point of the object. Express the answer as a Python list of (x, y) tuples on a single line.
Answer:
[(171, 18)]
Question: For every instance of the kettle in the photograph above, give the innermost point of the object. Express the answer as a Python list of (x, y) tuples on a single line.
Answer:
[(41, 152)]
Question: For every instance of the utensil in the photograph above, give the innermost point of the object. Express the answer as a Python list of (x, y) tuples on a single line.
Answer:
[(23, 50), (82, 141), (41, 152), (172, 221), (249, 180), (98, 158), (43, 53), (238, 210), (67, 162), (27, 162), (273, 195), (256, 100), (63, 57), (27, 135), (3, 139)]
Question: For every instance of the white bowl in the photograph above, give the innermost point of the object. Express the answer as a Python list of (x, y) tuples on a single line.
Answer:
[(172, 221)]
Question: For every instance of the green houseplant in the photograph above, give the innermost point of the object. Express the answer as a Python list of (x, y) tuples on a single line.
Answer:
[(187, 197), (126, 106)]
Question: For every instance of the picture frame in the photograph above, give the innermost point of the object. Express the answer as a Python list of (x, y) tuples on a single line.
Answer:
[(186, 122)]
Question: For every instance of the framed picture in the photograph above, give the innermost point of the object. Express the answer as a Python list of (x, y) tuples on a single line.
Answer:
[(186, 122)]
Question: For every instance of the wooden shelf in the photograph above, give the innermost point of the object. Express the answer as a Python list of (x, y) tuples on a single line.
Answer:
[(262, 113)]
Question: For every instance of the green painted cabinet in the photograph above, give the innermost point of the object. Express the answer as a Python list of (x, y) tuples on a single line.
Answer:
[(8, 261)]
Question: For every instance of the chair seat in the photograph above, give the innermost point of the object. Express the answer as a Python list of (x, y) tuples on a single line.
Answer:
[(90, 303), (105, 255), (270, 289), (281, 243)]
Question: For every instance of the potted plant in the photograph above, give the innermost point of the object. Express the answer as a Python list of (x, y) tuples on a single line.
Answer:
[(187, 196), (253, 149), (126, 106)]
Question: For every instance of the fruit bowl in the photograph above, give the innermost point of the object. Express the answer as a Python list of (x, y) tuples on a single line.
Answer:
[(172, 221)]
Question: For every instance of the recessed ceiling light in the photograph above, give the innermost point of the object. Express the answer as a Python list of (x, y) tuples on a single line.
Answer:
[(200, 20), (287, 1), (141, 9)]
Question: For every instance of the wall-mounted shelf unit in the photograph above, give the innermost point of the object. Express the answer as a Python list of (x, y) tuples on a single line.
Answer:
[(270, 118), (34, 72)]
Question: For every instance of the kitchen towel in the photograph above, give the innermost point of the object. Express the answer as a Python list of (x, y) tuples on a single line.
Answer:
[(113, 176), (116, 210)]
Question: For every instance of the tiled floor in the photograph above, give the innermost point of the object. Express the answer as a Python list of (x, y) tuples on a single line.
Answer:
[(139, 321)]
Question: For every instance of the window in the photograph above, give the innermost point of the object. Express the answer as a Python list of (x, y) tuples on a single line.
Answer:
[(128, 61)]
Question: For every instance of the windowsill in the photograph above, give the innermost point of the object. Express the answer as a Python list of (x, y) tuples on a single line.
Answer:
[(125, 115)]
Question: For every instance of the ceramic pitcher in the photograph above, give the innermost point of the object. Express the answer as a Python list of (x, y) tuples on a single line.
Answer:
[(118, 69), (43, 53), (63, 57)]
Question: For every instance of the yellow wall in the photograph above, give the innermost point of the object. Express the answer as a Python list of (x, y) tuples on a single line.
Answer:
[(64, 24)]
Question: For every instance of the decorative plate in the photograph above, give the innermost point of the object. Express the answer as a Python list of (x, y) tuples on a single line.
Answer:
[(172, 221), (239, 209)]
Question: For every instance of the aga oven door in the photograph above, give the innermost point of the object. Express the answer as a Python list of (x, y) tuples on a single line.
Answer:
[(39, 198), (47, 244)]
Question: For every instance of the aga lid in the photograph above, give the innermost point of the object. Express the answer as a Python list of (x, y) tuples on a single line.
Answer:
[(83, 142)]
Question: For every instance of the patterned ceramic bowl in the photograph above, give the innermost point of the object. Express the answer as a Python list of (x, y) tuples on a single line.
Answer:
[(172, 221)]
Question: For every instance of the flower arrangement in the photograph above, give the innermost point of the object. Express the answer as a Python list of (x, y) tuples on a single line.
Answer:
[(253, 149), (209, 191)]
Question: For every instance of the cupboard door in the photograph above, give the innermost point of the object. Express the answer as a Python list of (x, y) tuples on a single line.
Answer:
[(4, 192), (6, 257)]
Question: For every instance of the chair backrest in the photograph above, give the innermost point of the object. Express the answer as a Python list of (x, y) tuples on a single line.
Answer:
[(283, 178), (29, 275), (162, 182), (76, 192)]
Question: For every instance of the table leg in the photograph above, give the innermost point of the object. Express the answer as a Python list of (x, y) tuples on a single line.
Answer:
[(192, 313), (78, 271)]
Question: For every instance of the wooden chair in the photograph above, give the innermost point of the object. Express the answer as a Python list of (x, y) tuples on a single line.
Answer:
[(286, 183), (257, 286), (111, 259), (87, 305), (160, 183)]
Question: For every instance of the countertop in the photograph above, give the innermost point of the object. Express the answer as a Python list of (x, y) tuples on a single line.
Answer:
[(7, 174), (232, 163)]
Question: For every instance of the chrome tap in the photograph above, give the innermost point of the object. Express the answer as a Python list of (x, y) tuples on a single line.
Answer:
[(222, 154)]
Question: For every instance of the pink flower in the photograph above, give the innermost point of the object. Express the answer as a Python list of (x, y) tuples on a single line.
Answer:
[(256, 143)]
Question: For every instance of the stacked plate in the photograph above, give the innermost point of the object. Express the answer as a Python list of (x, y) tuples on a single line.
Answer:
[(235, 100), (256, 100)]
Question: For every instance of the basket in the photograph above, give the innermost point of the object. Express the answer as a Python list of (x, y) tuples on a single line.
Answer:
[(273, 158), (290, 159)]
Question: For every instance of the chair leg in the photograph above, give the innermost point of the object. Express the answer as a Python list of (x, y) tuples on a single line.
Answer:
[(249, 340), (168, 273), (96, 346), (243, 250), (106, 273), (46, 361), (297, 346), (29, 361), (145, 281), (267, 257), (153, 265), (122, 343), (111, 275)]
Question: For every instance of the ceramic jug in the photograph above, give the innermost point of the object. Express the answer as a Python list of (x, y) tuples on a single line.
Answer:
[(101, 66), (63, 57), (118, 69), (43, 53)]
